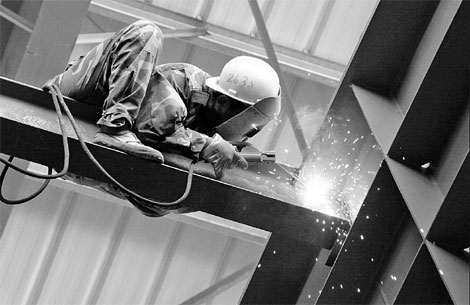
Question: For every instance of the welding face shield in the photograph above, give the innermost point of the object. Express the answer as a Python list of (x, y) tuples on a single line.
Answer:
[(253, 83), (250, 121)]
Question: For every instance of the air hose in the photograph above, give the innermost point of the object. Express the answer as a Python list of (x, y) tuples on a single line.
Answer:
[(146, 206)]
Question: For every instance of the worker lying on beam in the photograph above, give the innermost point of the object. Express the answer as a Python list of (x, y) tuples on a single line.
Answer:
[(170, 107)]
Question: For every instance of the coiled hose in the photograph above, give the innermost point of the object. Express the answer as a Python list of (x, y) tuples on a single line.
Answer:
[(146, 206)]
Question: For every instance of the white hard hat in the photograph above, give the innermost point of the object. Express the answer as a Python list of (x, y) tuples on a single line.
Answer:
[(246, 79)]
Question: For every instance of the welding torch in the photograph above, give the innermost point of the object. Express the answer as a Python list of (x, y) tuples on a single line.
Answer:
[(252, 154)]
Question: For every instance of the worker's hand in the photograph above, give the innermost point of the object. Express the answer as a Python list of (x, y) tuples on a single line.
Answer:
[(222, 155)]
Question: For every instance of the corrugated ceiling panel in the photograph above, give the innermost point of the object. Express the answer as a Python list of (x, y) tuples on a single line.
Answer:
[(190, 270), (25, 245), (189, 8), (292, 23), (138, 260), (87, 232), (242, 254), (69, 247), (327, 29), (343, 29), (233, 14)]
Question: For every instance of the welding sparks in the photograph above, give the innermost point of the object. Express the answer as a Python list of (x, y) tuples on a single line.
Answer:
[(315, 195), (335, 177)]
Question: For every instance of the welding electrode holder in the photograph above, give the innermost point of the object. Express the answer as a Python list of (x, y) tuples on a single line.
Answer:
[(253, 155)]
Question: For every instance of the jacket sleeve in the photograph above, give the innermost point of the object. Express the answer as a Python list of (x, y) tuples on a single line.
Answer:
[(160, 122)]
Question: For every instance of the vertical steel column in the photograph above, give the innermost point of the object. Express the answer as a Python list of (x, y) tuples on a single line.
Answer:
[(46, 51), (263, 31)]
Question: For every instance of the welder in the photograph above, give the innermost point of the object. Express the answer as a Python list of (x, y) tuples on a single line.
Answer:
[(176, 107)]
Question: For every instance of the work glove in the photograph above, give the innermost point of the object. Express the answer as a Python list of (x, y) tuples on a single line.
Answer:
[(222, 155)]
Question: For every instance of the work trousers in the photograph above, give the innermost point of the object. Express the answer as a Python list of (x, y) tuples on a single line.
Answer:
[(114, 75)]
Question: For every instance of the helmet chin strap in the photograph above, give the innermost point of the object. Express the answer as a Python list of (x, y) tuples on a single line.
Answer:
[(250, 121)]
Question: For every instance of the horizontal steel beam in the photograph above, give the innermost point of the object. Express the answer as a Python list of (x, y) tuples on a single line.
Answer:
[(222, 40), (29, 130), (26, 110), (95, 38)]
